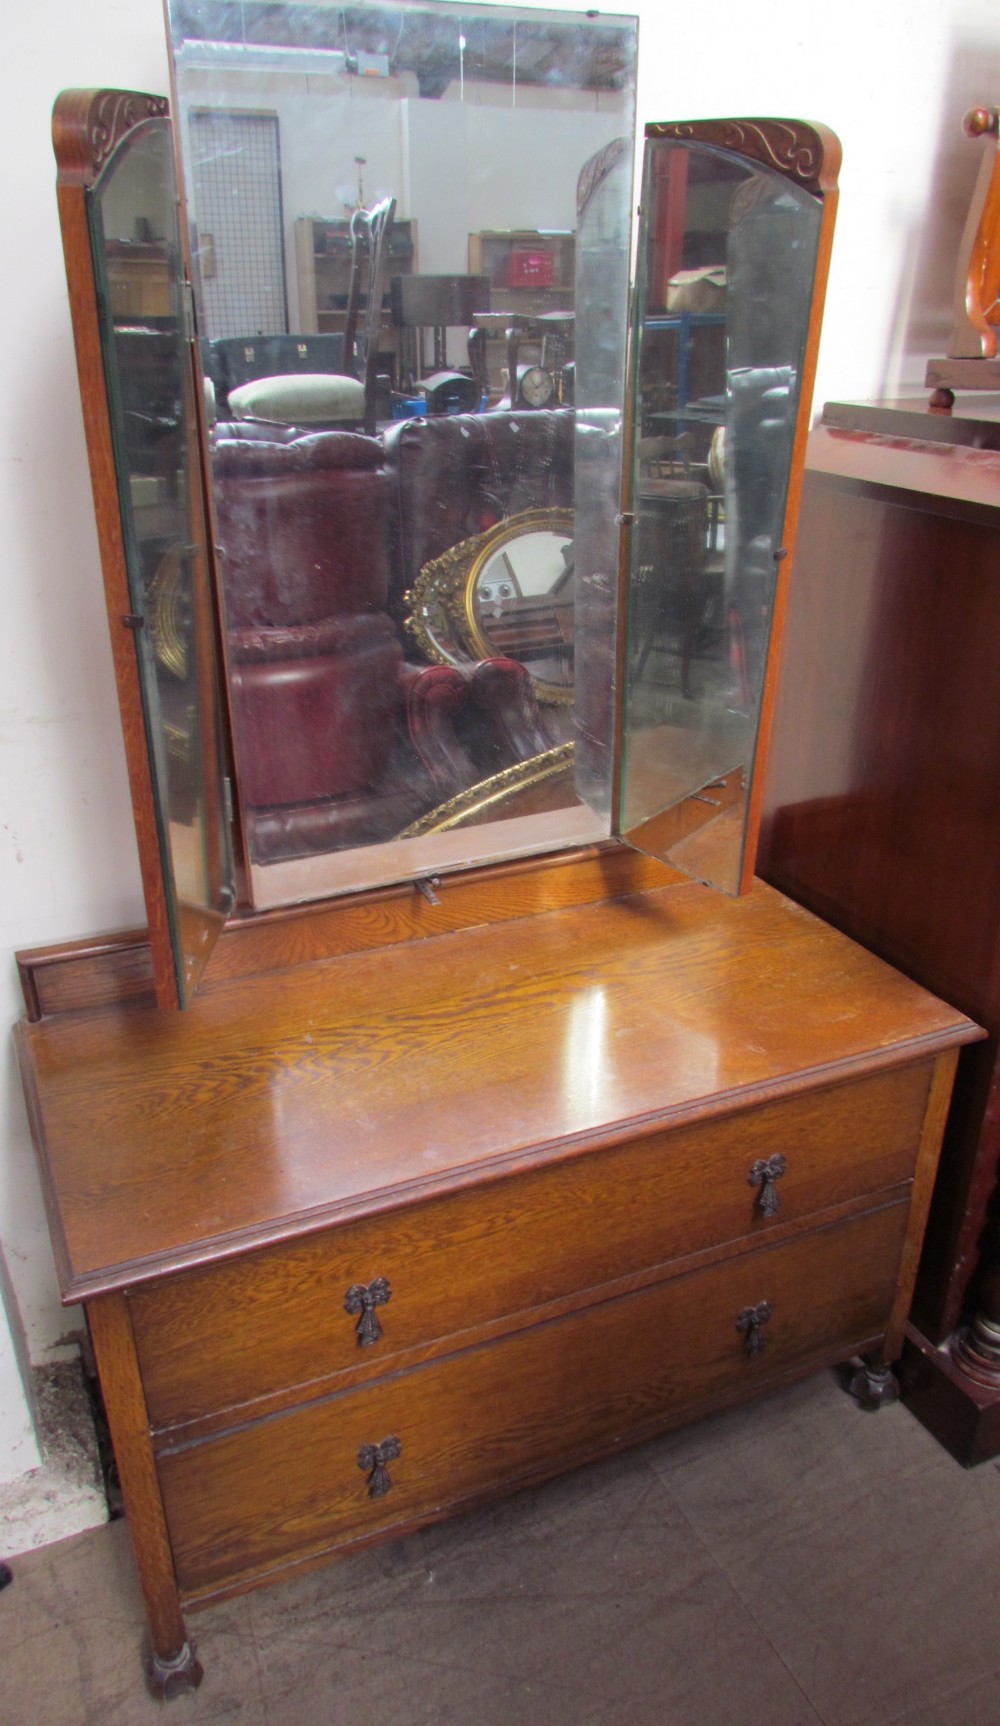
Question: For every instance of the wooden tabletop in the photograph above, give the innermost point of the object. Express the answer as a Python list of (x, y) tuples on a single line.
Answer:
[(346, 1086), (967, 479)]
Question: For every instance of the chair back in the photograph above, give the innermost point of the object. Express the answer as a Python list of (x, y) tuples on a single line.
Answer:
[(371, 231)]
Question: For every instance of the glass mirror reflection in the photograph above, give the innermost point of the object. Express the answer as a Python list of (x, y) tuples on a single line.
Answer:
[(725, 280), (150, 381), (387, 206)]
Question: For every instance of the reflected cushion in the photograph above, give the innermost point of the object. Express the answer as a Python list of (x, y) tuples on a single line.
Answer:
[(304, 398)]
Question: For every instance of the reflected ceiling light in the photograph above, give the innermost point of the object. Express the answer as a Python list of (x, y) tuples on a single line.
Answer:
[(197, 55)]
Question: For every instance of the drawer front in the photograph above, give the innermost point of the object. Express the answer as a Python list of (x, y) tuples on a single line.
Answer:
[(212, 1339), (293, 1486)]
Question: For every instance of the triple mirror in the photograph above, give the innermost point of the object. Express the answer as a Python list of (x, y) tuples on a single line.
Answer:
[(470, 592)]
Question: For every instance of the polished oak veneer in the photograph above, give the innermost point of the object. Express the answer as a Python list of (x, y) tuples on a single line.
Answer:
[(498, 1416), (389, 1076), (368, 1239), (259, 1328), (449, 1185)]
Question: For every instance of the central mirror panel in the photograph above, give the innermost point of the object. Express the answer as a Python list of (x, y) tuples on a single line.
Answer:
[(409, 242)]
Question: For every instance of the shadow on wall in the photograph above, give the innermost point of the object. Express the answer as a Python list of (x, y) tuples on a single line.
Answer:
[(922, 319)]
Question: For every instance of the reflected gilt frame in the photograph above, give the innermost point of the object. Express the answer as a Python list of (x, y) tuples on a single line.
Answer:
[(441, 605)]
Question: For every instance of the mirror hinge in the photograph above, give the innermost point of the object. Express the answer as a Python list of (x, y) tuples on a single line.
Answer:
[(187, 304), (227, 798)]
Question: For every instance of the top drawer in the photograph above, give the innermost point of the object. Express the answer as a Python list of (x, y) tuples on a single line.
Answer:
[(211, 1339)]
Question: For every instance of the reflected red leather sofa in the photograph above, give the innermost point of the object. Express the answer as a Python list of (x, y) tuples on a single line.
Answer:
[(456, 475), (339, 740)]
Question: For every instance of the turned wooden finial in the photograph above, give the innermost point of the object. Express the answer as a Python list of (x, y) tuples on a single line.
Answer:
[(981, 123)]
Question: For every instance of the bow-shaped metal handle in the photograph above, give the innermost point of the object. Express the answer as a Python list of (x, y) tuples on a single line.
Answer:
[(763, 1174), (374, 1458), (363, 1298), (750, 1321)]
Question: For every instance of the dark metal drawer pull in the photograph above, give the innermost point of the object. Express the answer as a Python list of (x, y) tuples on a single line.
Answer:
[(763, 1174), (374, 1458), (363, 1298), (750, 1321)]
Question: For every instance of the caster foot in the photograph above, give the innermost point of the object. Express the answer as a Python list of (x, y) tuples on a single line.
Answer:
[(168, 1675), (874, 1387)]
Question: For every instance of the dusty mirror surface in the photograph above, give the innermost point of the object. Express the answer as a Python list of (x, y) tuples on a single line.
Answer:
[(132, 215), (395, 318), (726, 268)]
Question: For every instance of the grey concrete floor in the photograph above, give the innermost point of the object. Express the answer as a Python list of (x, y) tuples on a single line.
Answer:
[(791, 1563)]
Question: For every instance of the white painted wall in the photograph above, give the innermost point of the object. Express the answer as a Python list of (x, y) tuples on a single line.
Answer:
[(892, 80)]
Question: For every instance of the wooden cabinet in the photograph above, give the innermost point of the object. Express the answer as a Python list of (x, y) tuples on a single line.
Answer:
[(323, 269), (140, 280), (529, 270), (456, 1179), (881, 805), (372, 1240)]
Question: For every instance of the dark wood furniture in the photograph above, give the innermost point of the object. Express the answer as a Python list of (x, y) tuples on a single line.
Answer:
[(882, 809)]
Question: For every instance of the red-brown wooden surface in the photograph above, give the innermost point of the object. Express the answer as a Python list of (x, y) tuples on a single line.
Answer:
[(883, 790)]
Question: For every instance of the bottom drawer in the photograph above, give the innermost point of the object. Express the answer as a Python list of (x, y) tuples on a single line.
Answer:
[(292, 1485)]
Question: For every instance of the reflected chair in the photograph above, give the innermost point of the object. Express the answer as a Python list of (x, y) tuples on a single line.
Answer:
[(672, 530), (758, 448), (435, 303), (348, 398)]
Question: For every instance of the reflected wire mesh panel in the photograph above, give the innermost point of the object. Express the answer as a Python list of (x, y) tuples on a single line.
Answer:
[(237, 199)]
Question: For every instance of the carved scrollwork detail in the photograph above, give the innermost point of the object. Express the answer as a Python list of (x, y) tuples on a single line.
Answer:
[(790, 147), (374, 1460), (363, 1298), (764, 1172), (113, 114), (749, 1324)]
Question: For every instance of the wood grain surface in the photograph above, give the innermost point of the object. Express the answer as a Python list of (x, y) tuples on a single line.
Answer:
[(494, 1417), (223, 1337), (348, 1087), (881, 804)]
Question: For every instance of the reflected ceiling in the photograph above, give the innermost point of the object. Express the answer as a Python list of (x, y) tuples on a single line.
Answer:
[(436, 46)]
